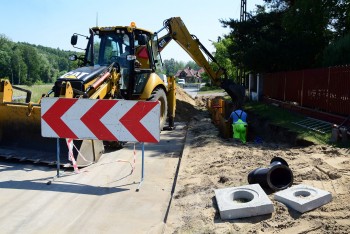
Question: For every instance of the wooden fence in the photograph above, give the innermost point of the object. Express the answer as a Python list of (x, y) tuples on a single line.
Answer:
[(324, 89)]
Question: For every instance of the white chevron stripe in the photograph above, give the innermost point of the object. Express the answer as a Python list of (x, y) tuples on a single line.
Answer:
[(73, 115), (46, 104), (148, 121), (112, 117), (46, 130)]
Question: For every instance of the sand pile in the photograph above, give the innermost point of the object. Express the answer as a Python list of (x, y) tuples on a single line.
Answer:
[(210, 162)]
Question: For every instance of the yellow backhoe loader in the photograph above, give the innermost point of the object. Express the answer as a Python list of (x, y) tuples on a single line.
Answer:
[(119, 62)]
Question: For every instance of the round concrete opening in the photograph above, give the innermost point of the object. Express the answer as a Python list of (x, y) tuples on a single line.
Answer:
[(302, 194), (242, 196)]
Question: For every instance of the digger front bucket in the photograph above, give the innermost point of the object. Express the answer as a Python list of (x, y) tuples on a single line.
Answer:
[(20, 138), (235, 91)]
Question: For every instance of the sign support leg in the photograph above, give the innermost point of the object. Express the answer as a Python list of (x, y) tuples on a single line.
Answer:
[(142, 166), (58, 157)]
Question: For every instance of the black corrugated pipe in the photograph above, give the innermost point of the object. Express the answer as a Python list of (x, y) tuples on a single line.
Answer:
[(277, 176)]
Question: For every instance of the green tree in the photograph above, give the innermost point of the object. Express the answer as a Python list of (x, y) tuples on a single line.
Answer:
[(18, 66), (222, 56), (24, 63), (256, 42), (287, 34), (5, 57), (337, 53), (192, 65), (306, 25), (339, 11), (5, 64), (171, 66), (31, 59), (45, 70)]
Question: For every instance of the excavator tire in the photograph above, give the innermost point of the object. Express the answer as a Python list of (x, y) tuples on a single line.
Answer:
[(159, 95)]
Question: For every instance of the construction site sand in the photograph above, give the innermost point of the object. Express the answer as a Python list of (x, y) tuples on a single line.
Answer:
[(210, 162)]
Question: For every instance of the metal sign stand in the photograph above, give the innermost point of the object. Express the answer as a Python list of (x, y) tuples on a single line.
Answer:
[(142, 166), (58, 157), (52, 117), (58, 162)]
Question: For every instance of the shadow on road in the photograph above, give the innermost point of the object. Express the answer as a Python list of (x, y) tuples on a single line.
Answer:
[(64, 187), (49, 183)]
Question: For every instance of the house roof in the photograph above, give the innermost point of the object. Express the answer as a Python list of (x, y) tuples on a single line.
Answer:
[(201, 70), (189, 72)]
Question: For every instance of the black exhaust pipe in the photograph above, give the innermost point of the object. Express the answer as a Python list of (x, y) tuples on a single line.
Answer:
[(277, 176)]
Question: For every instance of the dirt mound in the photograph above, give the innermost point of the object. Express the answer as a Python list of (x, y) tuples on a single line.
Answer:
[(182, 96), (185, 106), (202, 101), (210, 162)]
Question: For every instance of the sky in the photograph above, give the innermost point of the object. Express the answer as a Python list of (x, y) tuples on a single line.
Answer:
[(51, 23)]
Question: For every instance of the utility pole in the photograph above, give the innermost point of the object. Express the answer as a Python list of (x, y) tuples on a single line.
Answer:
[(243, 11), (96, 19), (243, 17)]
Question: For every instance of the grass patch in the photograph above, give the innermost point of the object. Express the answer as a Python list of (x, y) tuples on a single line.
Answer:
[(274, 114), (285, 118), (37, 91), (211, 91)]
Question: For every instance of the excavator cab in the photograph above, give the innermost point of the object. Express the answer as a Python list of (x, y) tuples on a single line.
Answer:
[(133, 53), (135, 56)]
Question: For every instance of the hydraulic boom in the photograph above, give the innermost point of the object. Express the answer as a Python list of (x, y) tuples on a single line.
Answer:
[(178, 32)]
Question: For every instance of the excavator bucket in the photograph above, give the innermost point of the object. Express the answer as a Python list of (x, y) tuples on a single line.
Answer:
[(20, 135), (234, 90)]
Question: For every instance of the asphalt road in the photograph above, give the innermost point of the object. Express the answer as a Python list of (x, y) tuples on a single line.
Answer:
[(102, 198), (192, 91)]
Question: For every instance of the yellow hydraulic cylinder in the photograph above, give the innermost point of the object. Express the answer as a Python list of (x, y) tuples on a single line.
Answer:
[(171, 98), (6, 91)]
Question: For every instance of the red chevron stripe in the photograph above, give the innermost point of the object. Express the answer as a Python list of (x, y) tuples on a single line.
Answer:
[(53, 117), (92, 119), (131, 121)]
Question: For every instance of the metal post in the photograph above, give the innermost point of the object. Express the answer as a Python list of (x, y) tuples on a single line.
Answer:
[(250, 86), (58, 157), (243, 16), (143, 161), (93, 150), (258, 86), (142, 166)]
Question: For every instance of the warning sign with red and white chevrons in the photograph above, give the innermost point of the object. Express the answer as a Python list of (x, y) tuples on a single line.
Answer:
[(110, 120)]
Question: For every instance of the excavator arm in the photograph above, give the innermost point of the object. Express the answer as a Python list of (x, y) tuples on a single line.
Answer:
[(178, 32)]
